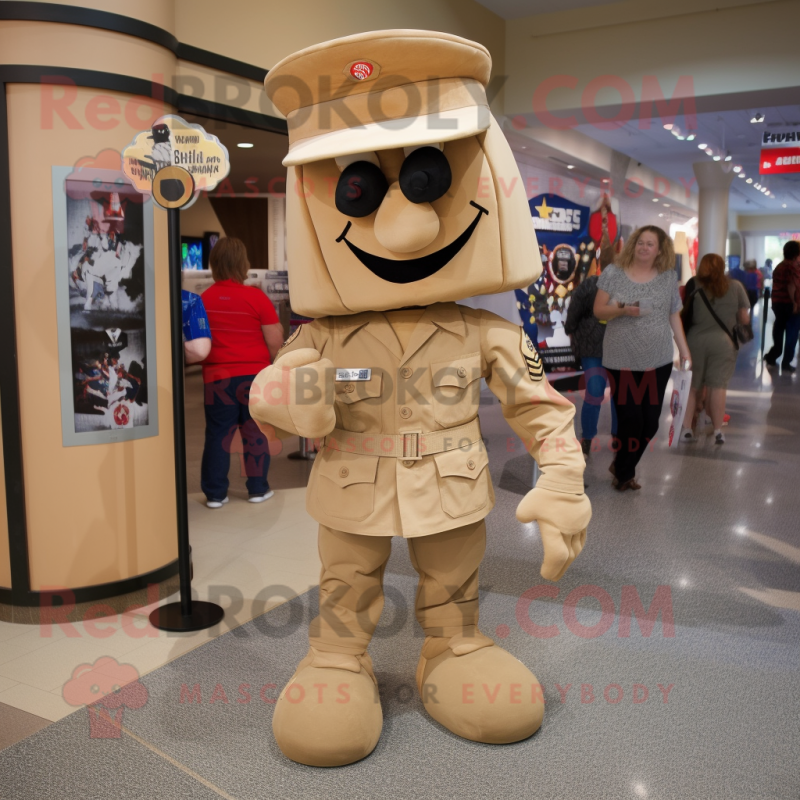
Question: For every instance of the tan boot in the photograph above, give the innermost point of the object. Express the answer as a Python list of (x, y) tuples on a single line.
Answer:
[(329, 714), (478, 690)]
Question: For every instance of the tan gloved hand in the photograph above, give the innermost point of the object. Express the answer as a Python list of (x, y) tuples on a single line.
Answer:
[(562, 520), (294, 394)]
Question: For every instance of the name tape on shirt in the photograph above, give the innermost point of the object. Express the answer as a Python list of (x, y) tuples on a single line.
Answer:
[(353, 374)]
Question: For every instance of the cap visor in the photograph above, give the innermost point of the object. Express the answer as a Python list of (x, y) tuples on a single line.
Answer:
[(445, 127)]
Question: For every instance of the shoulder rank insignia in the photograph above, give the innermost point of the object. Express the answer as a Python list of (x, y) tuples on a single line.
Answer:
[(531, 357)]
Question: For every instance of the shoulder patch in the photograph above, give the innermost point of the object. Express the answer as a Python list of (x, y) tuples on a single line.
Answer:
[(531, 358)]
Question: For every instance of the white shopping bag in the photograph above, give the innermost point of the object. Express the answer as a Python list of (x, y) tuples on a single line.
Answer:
[(681, 382)]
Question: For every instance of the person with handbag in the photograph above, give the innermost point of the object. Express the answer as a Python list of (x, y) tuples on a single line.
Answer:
[(716, 317)]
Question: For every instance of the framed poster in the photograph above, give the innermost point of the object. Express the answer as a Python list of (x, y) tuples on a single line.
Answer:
[(105, 296)]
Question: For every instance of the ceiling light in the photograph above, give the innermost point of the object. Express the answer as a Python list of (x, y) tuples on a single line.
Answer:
[(681, 138), (709, 151), (666, 205), (717, 158), (667, 126), (660, 215), (690, 137), (784, 205), (570, 166), (757, 186), (759, 117), (702, 146), (749, 180), (655, 199), (737, 169), (741, 175), (245, 145), (729, 157)]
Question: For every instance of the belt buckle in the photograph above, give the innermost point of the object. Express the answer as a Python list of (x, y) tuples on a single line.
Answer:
[(411, 449)]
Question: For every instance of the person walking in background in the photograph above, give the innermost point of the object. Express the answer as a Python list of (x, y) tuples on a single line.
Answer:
[(752, 283), (245, 337), (711, 339), (639, 298), (784, 305), (737, 273), (587, 334)]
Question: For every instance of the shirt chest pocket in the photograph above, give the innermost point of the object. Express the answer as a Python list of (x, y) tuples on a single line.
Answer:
[(346, 484), (456, 389), (358, 404)]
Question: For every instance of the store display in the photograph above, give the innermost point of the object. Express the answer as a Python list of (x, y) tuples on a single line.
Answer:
[(415, 217)]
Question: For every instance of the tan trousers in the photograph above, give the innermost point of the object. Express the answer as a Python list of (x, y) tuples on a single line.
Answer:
[(351, 585)]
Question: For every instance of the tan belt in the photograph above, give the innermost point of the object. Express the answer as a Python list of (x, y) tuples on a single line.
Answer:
[(409, 446)]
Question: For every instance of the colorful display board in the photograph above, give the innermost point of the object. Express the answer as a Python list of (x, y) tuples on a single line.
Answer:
[(571, 239)]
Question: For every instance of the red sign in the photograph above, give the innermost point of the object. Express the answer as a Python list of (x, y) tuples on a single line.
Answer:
[(779, 160)]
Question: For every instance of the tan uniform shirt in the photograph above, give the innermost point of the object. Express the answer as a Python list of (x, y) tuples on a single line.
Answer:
[(433, 386)]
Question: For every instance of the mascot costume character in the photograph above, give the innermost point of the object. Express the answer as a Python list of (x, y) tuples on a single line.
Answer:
[(402, 197)]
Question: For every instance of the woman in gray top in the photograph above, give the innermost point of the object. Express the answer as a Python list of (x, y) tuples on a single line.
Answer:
[(639, 298), (713, 350)]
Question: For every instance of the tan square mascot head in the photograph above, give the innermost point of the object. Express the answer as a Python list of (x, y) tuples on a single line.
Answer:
[(401, 189)]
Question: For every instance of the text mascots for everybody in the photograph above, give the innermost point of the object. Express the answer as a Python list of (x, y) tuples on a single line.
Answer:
[(402, 197)]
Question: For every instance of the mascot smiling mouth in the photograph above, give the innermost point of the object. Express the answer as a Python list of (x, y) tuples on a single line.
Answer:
[(414, 269)]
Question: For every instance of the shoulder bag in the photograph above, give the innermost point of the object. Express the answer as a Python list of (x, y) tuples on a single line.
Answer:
[(741, 333)]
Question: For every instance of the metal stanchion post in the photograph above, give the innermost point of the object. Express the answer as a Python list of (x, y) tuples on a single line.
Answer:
[(305, 453), (187, 615)]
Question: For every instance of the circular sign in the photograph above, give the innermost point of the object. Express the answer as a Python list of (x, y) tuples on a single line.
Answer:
[(173, 187)]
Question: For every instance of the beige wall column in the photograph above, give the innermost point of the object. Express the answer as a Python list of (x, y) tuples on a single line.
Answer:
[(102, 513), (714, 185)]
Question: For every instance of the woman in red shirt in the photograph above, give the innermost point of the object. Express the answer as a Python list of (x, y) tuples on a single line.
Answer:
[(245, 336)]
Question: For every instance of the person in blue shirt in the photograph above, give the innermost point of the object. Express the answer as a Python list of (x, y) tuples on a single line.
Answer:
[(737, 273), (196, 332)]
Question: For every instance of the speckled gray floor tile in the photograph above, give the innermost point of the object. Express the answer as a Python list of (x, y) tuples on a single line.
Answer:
[(704, 703)]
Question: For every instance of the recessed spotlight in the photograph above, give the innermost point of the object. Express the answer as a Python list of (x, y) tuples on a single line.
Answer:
[(245, 145), (784, 205), (759, 117), (729, 158), (570, 166), (737, 169), (741, 175), (681, 138), (691, 137), (717, 158), (702, 146), (667, 126), (666, 205), (709, 151), (757, 186), (655, 199), (749, 180), (660, 215)]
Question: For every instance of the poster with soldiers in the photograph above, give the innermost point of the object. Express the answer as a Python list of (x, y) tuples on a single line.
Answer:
[(104, 279)]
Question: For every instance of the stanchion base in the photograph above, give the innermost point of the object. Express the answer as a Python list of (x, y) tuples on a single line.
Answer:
[(299, 455), (170, 618)]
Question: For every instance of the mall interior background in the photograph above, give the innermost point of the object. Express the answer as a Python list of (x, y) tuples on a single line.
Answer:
[(583, 90)]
